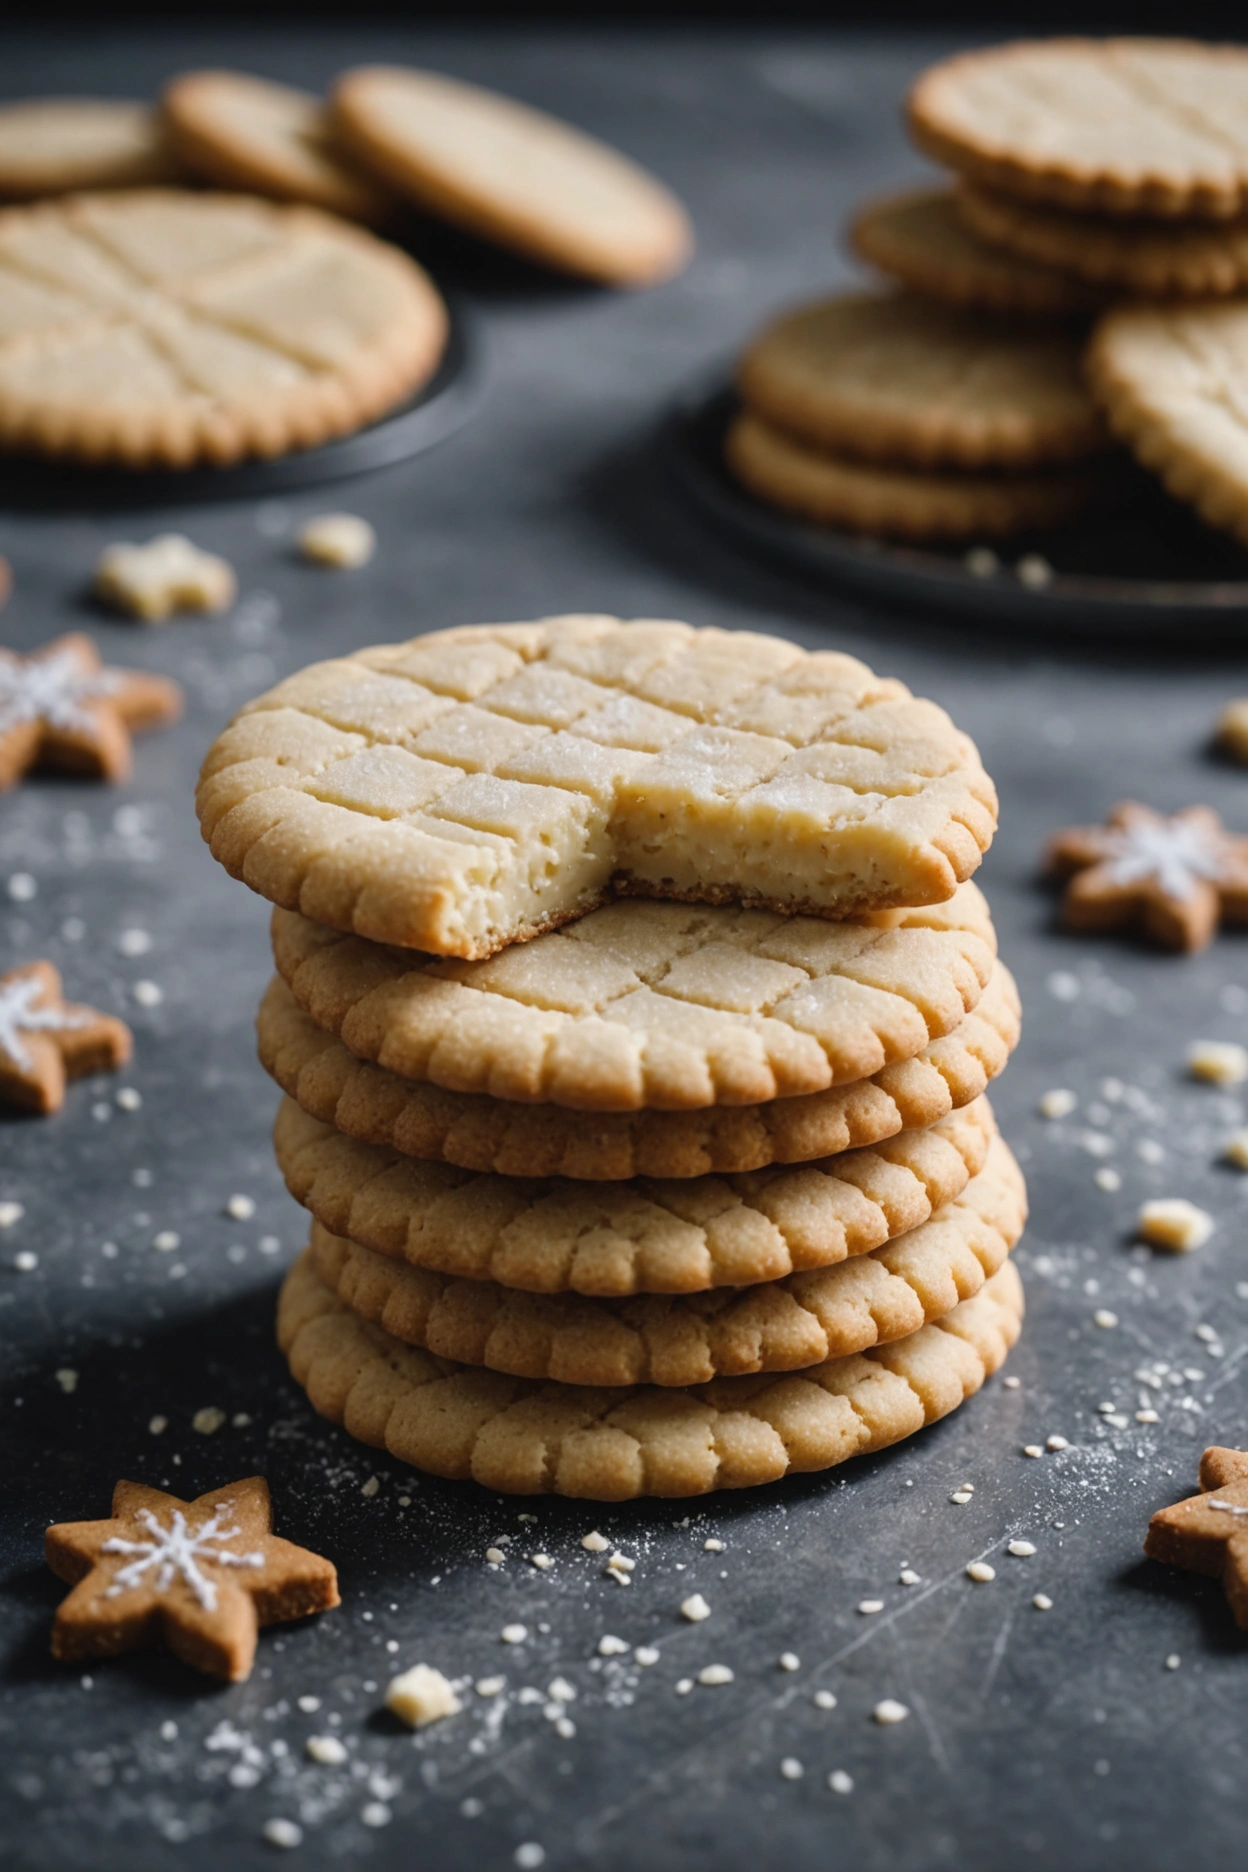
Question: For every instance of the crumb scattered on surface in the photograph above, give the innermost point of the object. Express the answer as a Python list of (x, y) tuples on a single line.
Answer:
[(421, 1695), (1173, 1223), (1218, 1062), (981, 1572), (1057, 1104), (889, 1710), (342, 540), (715, 1674), (695, 1608)]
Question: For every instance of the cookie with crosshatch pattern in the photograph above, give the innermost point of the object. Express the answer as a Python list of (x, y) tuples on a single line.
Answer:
[(473, 788), (528, 1437), (551, 1234)]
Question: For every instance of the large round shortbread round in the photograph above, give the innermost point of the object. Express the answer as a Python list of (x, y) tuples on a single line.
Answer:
[(933, 506), (469, 789), (531, 1438), (1174, 380), (687, 1340), (903, 380), (552, 1234), (923, 242), (648, 1005), (164, 327), (246, 132), (51, 145), (1150, 259), (1135, 126), (478, 1132), (512, 174)]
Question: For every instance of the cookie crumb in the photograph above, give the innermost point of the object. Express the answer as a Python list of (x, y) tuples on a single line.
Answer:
[(1057, 1104), (695, 1608), (326, 1750), (240, 1208), (908, 1577), (495, 1556), (10, 1214), (67, 1378), (338, 539), (157, 1425), (167, 1242), (961, 1496), (1104, 1318), (309, 1704), (610, 1646), (168, 574), (1021, 1549), (208, 1420), (1033, 1449), (1108, 1179), (542, 1561), (148, 994), (1056, 1443), (595, 1542), (1011, 1383), (622, 1563), (370, 1487), (789, 1661), (981, 1572), (791, 1769), (1034, 571), (646, 1655), (715, 1674), (840, 1782), (1218, 1062), (1173, 1661), (128, 1098), (712, 1545), (26, 1261), (283, 1833), (684, 1686), (490, 1686), (889, 1710), (1042, 1602), (824, 1700), (869, 1607), (376, 1814), (1173, 1223), (514, 1634), (1147, 1416), (981, 562), (529, 1855), (421, 1695), (1236, 1151)]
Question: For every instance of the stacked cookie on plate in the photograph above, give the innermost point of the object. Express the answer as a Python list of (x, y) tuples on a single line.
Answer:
[(634, 1010)]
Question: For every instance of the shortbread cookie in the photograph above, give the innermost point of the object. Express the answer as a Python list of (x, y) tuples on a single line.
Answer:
[(690, 1339), (203, 1575), (553, 1234), (63, 708), (168, 574), (46, 1040), (1133, 126), (653, 1005), (512, 174), (51, 145), (164, 328), (902, 380), (530, 1438), (482, 1133), (249, 133), (900, 503), (1172, 879), (923, 242), (1155, 259), (1174, 381), (470, 789)]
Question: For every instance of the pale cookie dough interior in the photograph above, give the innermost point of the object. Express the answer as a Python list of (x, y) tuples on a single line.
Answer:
[(529, 1438), (469, 789), (546, 1235)]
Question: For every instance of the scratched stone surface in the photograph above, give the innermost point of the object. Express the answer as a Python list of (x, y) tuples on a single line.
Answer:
[(1033, 1737)]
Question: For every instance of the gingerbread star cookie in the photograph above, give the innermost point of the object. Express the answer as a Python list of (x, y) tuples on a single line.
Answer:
[(62, 708), (1208, 1533), (45, 1040), (202, 1575), (1172, 879)]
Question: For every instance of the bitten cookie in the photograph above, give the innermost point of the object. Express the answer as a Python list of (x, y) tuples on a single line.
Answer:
[(512, 174), (478, 1132), (923, 242), (470, 789), (528, 1438), (685, 1340), (1134, 126), (902, 380), (51, 145), (165, 328), (548, 1235)]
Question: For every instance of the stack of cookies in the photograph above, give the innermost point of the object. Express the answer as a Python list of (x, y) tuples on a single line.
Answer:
[(634, 1010)]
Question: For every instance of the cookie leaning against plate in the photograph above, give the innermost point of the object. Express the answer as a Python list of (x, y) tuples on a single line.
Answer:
[(478, 1132), (902, 380), (245, 132), (51, 145), (162, 328), (1133, 126), (646, 1004), (512, 174), (530, 1438), (690, 1339), (470, 789), (1148, 258), (901, 503), (1174, 380), (548, 1234), (924, 243)]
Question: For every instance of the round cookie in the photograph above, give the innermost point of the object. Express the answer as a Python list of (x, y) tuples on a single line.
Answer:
[(1155, 259), (924, 243), (473, 788), (512, 174), (477, 1132), (551, 1234), (1132, 126), (166, 328), (530, 1438), (249, 133), (1174, 380), (900, 503), (647, 1005), (51, 145), (894, 378), (687, 1340)]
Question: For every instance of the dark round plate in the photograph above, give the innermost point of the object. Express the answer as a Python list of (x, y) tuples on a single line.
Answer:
[(444, 404), (1147, 564)]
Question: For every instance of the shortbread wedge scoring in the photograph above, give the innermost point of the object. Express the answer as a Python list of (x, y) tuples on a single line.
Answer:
[(467, 790), (526, 1437), (548, 1235), (478, 1132), (683, 1340)]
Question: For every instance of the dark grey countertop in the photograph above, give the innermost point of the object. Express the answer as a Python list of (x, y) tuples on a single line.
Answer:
[(1035, 1738)]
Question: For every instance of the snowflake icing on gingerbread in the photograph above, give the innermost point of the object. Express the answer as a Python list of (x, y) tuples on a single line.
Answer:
[(19, 1015), (174, 1553), (53, 689)]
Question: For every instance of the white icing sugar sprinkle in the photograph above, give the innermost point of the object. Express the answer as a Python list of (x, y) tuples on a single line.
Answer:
[(10, 1212), (1176, 853), (52, 689), (173, 1552), (20, 1015)]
